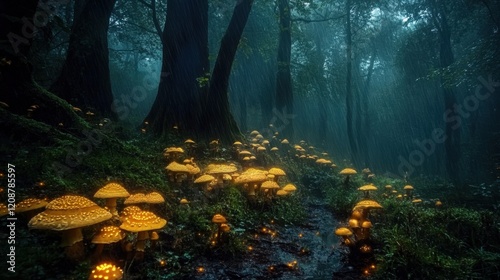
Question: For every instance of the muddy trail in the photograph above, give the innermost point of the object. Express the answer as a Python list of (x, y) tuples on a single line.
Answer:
[(307, 251)]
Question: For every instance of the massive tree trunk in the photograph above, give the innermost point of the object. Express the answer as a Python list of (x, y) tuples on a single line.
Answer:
[(349, 91), (28, 111), (220, 122), (284, 94), (452, 142), (185, 68), (85, 80)]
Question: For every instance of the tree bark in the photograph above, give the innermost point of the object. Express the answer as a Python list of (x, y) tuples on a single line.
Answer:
[(185, 68), (20, 94), (452, 128), (84, 80), (221, 123), (349, 93), (284, 94)]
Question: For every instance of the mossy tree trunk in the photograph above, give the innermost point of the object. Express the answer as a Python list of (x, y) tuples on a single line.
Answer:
[(29, 111), (84, 79)]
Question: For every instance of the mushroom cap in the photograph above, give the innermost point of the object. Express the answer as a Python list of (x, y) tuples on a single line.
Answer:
[(106, 271), (251, 175), (289, 188), (219, 219), (356, 214), (112, 190), (154, 198), (343, 231), (154, 235), (348, 171), (408, 187), (269, 185), (193, 169), (277, 171), (225, 227), (29, 204), (142, 221), (367, 188), (204, 179), (353, 223), (184, 201), (3, 209), (285, 141), (177, 167), (261, 149), (129, 210), (366, 224), (189, 141), (237, 143), (367, 204), (281, 193), (135, 199), (68, 212), (108, 235), (254, 133), (416, 200), (388, 187), (220, 169), (273, 149), (265, 142), (245, 153)]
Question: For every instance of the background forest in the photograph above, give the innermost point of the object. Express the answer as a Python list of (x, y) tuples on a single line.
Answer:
[(414, 69), (91, 91)]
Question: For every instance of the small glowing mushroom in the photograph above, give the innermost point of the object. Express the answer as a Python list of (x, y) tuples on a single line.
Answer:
[(347, 172), (277, 172), (219, 220), (366, 189), (107, 235), (106, 271), (409, 191), (142, 222), (111, 192), (290, 188), (346, 234), (206, 180), (30, 206), (176, 172)]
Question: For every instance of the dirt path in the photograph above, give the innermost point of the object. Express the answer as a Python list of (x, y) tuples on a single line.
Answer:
[(309, 251)]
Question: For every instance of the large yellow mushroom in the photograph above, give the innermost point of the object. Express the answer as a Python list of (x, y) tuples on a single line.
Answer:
[(69, 214)]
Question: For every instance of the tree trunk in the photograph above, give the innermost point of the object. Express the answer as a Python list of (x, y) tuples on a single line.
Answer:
[(349, 94), (363, 123), (284, 94), (243, 112), (220, 122), (21, 96), (85, 80), (185, 68), (452, 142)]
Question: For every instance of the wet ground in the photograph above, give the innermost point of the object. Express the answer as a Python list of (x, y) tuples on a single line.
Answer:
[(308, 251)]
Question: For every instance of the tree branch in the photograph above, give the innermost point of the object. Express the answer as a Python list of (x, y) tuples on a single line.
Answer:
[(307, 20)]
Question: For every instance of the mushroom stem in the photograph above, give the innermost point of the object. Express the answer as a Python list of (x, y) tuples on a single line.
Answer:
[(71, 236), (111, 204)]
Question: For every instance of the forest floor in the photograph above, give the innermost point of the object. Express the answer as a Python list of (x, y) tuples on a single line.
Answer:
[(307, 251)]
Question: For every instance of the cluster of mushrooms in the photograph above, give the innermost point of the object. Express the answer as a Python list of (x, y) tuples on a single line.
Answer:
[(69, 214)]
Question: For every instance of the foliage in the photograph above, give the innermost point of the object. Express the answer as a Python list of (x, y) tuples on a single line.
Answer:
[(434, 243)]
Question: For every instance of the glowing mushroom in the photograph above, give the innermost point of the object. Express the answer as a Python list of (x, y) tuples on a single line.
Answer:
[(69, 214), (106, 271), (111, 192)]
